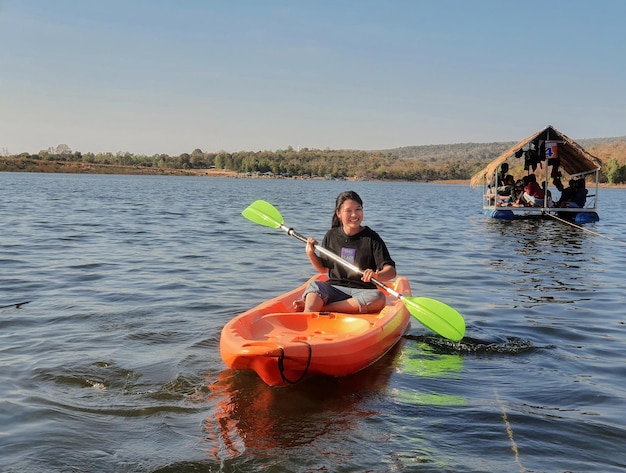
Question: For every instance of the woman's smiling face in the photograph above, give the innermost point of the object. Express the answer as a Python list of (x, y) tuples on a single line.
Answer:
[(350, 215)]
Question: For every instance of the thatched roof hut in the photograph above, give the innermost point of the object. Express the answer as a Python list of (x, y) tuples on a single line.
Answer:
[(573, 158)]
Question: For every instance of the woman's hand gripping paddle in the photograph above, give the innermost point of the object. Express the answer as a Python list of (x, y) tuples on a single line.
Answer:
[(434, 315)]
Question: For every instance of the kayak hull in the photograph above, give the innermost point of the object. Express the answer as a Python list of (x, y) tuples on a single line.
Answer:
[(284, 347)]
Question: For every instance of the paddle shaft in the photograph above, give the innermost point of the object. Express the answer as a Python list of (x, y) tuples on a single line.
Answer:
[(434, 315), (340, 260)]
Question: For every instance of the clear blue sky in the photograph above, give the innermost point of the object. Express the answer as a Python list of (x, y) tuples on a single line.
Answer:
[(158, 76)]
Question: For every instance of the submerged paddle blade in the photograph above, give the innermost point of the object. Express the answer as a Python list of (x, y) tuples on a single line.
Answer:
[(436, 316), (263, 213)]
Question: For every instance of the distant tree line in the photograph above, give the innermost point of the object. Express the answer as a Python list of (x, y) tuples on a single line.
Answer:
[(288, 162), (613, 157), (614, 172), (413, 163)]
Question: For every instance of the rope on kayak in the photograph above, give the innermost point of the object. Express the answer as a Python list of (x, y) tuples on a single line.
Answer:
[(281, 365)]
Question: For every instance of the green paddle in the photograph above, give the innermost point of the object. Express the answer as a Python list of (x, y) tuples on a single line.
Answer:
[(434, 315)]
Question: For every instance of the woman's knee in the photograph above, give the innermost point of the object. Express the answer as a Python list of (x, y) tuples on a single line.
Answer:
[(372, 303), (317, 288)]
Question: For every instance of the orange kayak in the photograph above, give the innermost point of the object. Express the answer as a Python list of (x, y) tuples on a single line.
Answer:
[(284, 346)]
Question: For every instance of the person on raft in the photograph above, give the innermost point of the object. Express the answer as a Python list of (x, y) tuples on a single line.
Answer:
[(347, 291)]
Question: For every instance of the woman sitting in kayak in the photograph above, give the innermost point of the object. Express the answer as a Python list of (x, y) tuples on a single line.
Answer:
[(346, 291)]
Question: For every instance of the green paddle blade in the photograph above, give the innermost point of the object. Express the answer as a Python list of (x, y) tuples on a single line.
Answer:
[(436, 316), (263, 213)]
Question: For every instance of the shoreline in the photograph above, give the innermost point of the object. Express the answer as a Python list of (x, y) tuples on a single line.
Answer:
[(60, 167)]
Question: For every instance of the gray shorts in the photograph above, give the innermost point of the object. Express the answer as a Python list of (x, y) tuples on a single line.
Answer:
[(331, 293)]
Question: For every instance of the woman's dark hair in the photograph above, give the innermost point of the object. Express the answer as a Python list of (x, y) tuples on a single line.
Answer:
[(341, 198)]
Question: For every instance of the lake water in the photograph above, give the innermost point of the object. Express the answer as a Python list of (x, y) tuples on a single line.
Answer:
[(113, 365)]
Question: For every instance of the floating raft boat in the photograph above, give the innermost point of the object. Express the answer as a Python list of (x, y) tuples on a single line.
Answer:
[(554, 158), (284, 347)]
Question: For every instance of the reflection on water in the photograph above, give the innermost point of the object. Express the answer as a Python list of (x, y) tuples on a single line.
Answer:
[(251, 417), (421, 361), (542, 262)]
